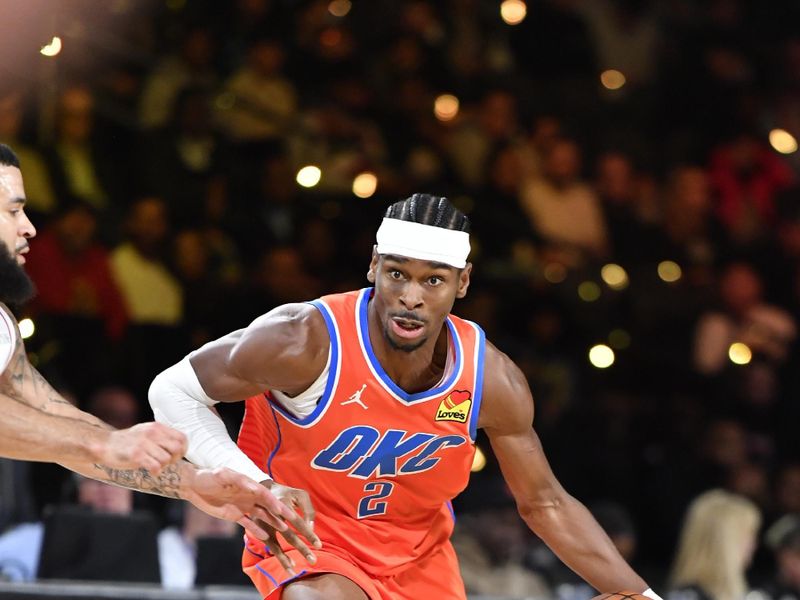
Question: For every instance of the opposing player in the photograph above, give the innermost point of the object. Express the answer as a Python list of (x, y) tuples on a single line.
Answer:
[(38, 424), (371, 401)]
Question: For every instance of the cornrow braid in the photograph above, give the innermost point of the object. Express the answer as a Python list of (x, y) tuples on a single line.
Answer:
[(427, 209), (8, 157)]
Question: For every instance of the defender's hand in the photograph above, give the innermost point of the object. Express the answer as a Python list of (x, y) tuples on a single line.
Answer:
[(292, 499), (150, 446)]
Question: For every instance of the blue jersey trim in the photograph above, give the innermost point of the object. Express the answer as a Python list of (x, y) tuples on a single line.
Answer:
[(280, 439), (478, 391), (333, 367), (449, 504), (268, 576), (378, 368)]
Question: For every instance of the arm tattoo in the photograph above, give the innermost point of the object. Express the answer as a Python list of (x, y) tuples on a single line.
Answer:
[(23, 383), (167, 484)]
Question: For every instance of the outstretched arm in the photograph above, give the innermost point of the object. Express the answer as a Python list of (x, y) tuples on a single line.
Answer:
[(38, 424), (564, 524), (285, 349)]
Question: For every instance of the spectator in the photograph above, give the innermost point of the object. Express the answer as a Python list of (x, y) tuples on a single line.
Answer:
[(744, 317), (190, 66), (717, 541), (564, 212), (783, 538)]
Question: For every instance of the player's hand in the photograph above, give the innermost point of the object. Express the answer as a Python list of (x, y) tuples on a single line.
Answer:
[(225, 494), (293, 499), (150, 446)]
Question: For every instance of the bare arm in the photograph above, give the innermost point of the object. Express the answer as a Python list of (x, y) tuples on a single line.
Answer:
[(39, 424), (564, 524), (285, 349)]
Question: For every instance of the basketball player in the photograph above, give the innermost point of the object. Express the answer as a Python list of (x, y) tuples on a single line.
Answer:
[(371, 401), (38, 424)]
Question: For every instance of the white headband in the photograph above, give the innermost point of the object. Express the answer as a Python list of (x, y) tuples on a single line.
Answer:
[(423, 242)]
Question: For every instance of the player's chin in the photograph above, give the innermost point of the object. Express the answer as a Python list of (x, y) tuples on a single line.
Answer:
[(405, 345)]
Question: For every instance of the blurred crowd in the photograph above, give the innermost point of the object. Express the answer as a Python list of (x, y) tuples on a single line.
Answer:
[(630, 182)]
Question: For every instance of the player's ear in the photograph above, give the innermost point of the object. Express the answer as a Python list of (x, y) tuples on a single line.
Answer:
[(373, 265), (463, 281)]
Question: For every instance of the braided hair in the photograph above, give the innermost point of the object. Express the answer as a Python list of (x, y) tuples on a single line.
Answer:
[(429, 210), (8, 157)]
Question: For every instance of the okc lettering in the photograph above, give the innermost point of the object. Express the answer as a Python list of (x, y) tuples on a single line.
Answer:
[(362, 452)]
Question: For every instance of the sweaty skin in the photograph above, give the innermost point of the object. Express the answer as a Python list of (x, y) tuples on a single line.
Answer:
[(419, 294)]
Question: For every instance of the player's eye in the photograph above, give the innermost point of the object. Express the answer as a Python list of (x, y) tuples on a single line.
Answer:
[(435, 280), (395, 274)]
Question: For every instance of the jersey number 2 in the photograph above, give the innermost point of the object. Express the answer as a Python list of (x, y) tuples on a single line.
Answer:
[(371, 506)]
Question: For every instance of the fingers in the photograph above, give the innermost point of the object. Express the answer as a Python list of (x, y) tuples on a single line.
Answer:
[(303, 501), (305, 524), (252, 527), (270, 519), (171, 440), (286, 562), (298, 543), (305, 529)]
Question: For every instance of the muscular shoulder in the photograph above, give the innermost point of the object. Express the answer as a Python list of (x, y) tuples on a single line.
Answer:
[(507, 404), (285, 348)]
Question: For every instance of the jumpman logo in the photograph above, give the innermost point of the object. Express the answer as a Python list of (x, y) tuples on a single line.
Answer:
[(356, 398)]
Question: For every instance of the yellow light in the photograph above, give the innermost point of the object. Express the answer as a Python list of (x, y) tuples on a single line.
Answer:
[(26, 328), (589, 291), (309, 176), (612, 79), (339, 8), (669, 271), (513, 12), (555, 272), (619, 339), (615, 276), (53, 48), (782, 141), (740, 353), (445, 107), (478, 461), (365, 184), (601, 356)]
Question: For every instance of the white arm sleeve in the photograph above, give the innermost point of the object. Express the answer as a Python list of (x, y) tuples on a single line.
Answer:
[(178, 400)]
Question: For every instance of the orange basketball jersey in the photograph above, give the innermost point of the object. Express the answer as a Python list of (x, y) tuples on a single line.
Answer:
[(381, 465)]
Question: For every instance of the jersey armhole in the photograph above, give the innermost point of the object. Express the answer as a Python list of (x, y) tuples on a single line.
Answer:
[(475, 411)]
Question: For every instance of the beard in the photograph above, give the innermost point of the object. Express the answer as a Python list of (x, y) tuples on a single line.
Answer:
[(16, 287), (410, 347)]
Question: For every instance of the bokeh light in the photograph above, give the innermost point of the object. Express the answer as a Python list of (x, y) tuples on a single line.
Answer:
[(669, 271), (589, 291), (740, 353), (339, 8), (612, 79), (478, 460), (365, 184), (555, 272), (445, 107), (783, 141), (513, 12), (309, 176), (614, 276), (51, 49), (26, 328), (601, 356)]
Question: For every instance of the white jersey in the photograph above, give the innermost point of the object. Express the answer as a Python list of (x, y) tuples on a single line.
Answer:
[(8, 339)]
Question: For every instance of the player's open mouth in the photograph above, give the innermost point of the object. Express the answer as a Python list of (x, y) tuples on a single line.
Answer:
[(405, 328)]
